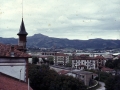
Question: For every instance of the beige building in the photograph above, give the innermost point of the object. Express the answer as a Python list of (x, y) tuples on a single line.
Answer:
[(84, 76), (61, 59)]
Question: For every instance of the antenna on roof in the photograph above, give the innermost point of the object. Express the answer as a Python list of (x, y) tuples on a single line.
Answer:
[(22, 8)]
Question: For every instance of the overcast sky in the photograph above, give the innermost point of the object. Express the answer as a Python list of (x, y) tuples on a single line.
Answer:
[(72, 19)]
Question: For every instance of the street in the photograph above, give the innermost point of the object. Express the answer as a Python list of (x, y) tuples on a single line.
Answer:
[(102, 86)]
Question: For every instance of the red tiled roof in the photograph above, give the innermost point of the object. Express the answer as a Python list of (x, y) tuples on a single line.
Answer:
[(99, 57), (94, 74), (88, 58), (106, 69), (63, 72), (10, 83), (61, 54), (84, 56), (5, 51)]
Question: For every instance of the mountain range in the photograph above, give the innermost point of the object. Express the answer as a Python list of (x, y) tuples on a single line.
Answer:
[(42, 41)]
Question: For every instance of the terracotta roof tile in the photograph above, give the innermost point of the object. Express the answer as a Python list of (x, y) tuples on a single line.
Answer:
[(99, 57), (88, 58), (5, 51), (63, 72), (10, 83), (85, 58), (61, 54), (107, 69)]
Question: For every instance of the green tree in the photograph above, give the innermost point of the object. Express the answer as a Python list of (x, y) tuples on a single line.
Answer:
[(35, 60), (69, 64), (113, 83), (116, 65), (117, 83), (50, 60), (109, 83), (43, 78), (109, 64), (104, 76)]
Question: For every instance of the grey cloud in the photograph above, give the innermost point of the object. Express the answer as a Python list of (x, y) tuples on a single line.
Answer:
[(76, 19)]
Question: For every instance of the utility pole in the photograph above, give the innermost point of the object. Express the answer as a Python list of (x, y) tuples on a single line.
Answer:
[(20, 74)]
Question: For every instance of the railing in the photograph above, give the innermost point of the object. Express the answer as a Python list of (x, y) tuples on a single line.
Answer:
[(93, 85)]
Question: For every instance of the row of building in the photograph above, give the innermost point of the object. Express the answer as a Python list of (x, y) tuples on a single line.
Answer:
[(79, 61)]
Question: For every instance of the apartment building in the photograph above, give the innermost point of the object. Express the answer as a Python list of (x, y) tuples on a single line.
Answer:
[(85, 62), (61, 59)]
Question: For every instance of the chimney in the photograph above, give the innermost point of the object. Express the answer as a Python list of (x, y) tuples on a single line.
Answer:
[(12, 51)]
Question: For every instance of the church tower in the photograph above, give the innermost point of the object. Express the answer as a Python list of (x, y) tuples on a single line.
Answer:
[(22, 37)]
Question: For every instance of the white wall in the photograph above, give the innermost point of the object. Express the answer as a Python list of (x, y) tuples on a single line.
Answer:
[(14, 71), (30, 60), (71, 74)]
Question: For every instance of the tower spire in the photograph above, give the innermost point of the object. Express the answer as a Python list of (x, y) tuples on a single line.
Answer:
[(22, 8), (22, 35)]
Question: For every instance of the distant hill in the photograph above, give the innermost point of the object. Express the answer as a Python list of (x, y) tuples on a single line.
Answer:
[(42, 41), (39, 40), (8, 40)]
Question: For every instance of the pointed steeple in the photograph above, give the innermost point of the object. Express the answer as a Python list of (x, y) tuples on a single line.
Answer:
[(22, 30), (22, 37)]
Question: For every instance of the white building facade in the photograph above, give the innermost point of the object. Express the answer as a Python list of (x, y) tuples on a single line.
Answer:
[(87, 62)]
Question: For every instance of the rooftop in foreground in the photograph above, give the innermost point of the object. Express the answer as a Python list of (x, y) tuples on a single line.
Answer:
[(7, 50), (10, 83)]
